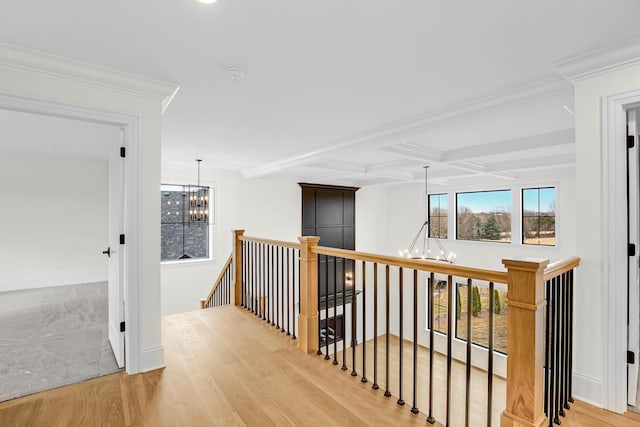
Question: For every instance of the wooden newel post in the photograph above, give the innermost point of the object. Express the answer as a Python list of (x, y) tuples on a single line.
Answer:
[(525, 347), (237, 266), (308, 317)]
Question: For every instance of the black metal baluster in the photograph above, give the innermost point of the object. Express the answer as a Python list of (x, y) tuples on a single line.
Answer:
[(282, 289), (251, 275), (547, 351), (387, 393), (565, 336), (288, 292), (414, 408), (263, 249), (344, 314), (335, 311), (244, 273), (272, 284), (401, 331), (375, 385), (276, 285), (364, 323), (326, 308), (570, 337), (558, 376), (563, 344), (449, 345), (552, 365), (267, 283), (354, 320), (430, 418), (293, 298), (326, 257), (469, 341), (490, 354)]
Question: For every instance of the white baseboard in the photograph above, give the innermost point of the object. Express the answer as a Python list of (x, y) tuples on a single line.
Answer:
[(152, 358), (73, 279), (588, 389)]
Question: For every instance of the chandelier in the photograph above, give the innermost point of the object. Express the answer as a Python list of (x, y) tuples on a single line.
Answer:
[(198, 197), (420, 247)]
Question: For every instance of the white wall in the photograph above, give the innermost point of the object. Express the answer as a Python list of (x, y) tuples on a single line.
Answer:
[(388, 218), (262, 207), (590, 339), (54, 220)]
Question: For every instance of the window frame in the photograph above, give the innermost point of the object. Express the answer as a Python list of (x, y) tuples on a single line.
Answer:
[(509, 211), (522, 215), (211, 232), (438, 216)]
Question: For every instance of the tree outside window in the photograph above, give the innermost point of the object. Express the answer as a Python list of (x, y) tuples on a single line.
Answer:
[(438, 216), (539, 216), (484, 215)]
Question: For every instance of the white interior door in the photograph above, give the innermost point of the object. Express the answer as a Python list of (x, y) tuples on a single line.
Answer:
[(116, 252), (634, 272)]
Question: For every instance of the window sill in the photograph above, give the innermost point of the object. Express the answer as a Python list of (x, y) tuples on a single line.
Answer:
[(186, 263)]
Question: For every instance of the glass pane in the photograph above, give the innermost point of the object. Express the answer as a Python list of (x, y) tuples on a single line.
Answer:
[(539, 216), (440, 299), (484, 215), (184, 222), (438, 213), (480, 316)]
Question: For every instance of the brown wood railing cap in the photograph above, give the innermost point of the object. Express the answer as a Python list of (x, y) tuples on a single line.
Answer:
[(525, 263)]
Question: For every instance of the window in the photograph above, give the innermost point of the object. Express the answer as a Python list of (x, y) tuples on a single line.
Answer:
[(539, 216), (184, 223), (484, 215), (480, 312), (438, 218)]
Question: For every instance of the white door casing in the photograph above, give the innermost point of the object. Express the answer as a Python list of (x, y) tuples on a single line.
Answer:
[(634, 273), (116, 258)]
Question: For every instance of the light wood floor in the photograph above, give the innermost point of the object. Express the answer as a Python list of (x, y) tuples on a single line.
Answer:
[(225, 367)]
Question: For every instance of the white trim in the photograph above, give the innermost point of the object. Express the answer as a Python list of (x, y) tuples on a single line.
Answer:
[(130, 124), (599, 62), (590, 389), (43, 64), (614, 238), (397, 131), (152, 358)]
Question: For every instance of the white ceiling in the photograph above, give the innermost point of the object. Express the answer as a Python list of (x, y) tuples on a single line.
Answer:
[(352, 92)]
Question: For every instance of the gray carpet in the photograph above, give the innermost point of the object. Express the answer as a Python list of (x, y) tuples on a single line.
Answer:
[(50, 337)]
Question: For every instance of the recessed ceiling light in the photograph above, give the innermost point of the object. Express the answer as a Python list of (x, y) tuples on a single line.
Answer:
[(235, 73), (206, 1)]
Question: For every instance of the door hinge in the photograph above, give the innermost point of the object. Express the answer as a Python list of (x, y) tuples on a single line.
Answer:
[(631, 249), (122, 328), (122, 239), (631, 141), (631, 357), (123, 152)]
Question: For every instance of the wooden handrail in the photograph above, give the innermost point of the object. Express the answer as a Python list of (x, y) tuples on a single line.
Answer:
[(416, 264), (270, 242), (559, 267), (204, 301)]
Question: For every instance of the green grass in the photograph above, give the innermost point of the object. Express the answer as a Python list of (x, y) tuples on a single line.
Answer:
[(479, 324)]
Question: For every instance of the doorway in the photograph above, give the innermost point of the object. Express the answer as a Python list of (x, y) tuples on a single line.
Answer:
[(59, 205)]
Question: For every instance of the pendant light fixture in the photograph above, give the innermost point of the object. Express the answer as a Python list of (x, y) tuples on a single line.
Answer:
[(420, 247), (198, 201)]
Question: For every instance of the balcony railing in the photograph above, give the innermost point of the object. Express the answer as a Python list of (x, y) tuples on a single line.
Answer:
[(373, 315)]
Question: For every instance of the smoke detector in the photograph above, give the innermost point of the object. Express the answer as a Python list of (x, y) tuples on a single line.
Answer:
[(235, 73)]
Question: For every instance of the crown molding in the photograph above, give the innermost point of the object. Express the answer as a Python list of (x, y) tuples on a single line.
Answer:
[(599, 62), (24, 60), (385, 135)]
